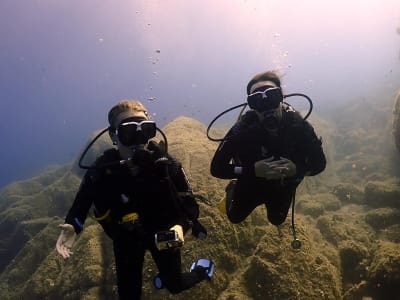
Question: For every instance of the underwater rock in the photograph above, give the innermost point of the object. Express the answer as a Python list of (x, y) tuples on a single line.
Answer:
[(29, 259), (353, 256), (348, 193), (310, 208), (382, 217), (188, 142), (340, 226), (391, 233), (396, 122), (357, 291), (382, 193), (277, 272), (384, 272), (316, 205), (25, 205)]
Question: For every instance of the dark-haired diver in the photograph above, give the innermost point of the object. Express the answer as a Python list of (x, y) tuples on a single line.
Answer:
[(267, 153), (143, 201)]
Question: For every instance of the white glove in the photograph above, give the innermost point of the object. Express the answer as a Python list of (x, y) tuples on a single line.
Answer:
[(66, 240), (178, 228), (277, 169)]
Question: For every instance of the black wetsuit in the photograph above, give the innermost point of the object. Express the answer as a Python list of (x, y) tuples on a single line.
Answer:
[(248, 142), (116, 193)]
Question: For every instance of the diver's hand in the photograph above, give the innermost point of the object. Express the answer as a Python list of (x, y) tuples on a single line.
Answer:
[(278, 169), (265, 169), (178, 228), (285, 167), (157, 148), (66, 240), (161, 167)]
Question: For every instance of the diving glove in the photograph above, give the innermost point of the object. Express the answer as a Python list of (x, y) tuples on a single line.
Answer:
[(278, 169), (286, 167), (159, 149), (66, 240)]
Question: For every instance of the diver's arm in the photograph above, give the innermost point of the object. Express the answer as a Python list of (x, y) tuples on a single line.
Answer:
[(315, 161), (73, 224), (178, 175), (184, 190), (223, 164), (83, 200), (189, 204)]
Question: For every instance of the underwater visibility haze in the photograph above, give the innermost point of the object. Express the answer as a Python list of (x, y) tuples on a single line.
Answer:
[(63, 64)]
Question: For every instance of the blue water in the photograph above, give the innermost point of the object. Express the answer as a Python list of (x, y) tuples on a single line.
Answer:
[(63, 64)]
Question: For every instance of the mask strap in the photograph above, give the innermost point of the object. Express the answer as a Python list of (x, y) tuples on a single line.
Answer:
[(260, 84)]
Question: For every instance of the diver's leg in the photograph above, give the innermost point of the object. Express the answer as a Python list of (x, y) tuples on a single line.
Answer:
[(245, 198), (129, 256), (278, 205), (170, 271)]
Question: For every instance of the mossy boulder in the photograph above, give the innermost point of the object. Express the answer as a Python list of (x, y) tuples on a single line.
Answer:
[(382, 193), (381, 218), (384, 272)]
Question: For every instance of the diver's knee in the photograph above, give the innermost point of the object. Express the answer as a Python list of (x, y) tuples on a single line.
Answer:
[(235, 219), (276, 219)]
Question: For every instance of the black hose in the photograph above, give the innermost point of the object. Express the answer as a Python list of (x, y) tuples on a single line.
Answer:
[(308, 99), (87, 149), (217, 117), (244, 106), (117, 162)]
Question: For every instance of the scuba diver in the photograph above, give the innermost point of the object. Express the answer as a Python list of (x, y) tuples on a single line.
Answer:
[(266, 154), (143, 201)]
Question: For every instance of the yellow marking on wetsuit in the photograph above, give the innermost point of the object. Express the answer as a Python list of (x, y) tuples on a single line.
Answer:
[(222, 206), (129, 217), (101, 218)]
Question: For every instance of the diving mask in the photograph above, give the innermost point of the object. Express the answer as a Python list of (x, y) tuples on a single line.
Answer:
[(135, 133), (265, 100)]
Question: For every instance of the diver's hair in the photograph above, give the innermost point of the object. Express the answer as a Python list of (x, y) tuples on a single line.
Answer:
[(265, 76), (125, 106)]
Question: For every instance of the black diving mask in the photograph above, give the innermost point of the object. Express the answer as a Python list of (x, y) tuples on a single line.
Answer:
[(135, 133), (265, 100)]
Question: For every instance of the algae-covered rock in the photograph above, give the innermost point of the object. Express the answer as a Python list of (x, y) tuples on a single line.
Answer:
[(345, 224), (382, 217), (188, 142), (315, 205), (20, 220), (353, 259), (31, 257), (276, 271), (391, 233), (382, 193), (384, 272), (348, 193), (396, 122)]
